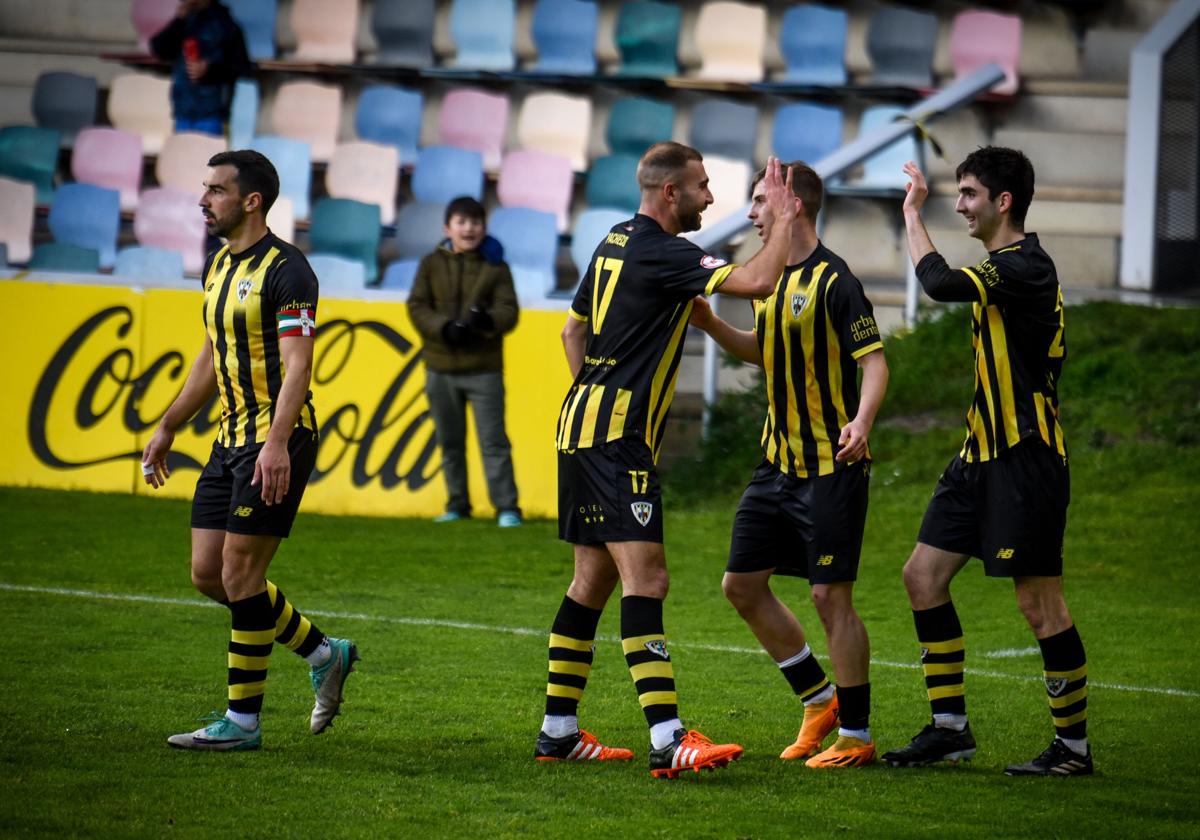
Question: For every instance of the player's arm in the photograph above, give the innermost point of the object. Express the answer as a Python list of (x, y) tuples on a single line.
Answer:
[(198, 389), (574, 339), (937, 278), (741, 344), (853, 441), (758, 277), (273, 469)]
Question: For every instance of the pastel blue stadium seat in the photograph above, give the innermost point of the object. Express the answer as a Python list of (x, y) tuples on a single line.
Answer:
[(403, 30), (530, 240), (63, 256), (419, 229), (564, 33), (28, 153), (399, 275), (724, 128), (812, 39), (293, 162), (636, 123), (482, 31), (3, 255), (257, 19), (65, 102), (143, 262), (243, 114), (443, 173), (347, 228), (881, 173), (592, 226), (900, 44), (337, 273), (390, 115), (612, 182), (806, 131), (87, 216), (648, 37)]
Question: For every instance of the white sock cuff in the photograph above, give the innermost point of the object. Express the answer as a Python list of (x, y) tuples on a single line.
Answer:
[(804, 653)]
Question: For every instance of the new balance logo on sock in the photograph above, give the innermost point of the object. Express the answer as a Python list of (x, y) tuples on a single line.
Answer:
[(658, 648)]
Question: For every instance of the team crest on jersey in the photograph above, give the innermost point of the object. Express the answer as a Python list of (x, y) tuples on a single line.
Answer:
[(798, 301), (243, 289), (708, 261), (1055, 685), (642, 511), (659, 648)]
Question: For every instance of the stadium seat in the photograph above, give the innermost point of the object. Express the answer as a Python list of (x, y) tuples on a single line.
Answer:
[(257, 19), (530, 240), (391, 115), (87, 216), (3, 255), (419, 229), (281, 219), (141, 262), (183, 161), (30, 154), (731, 38), (366, 172), (900, 44), (336, 273), (166, 218), (292, 162), (149, 17), (482, 31), (729, 180), (243, 114), (647, 38), (806, 132), (591, 226), (403, 30), (476, 120), (65, 102), (725, 128), (443, 173), (141, 103), (65, 257), (109, 157), (349, 229), (310, 112), (812, 39), (326, 30), (557, 124), (538, 181), (399, 275), (612, 182), (564, 34), (979, 37), (882, 171), (18, 198), (635, 124)]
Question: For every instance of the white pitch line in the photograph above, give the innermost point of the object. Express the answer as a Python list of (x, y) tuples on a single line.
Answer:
[(1010, 653), (526, 631)]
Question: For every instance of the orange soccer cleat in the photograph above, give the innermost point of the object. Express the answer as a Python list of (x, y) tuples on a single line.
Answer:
[(691, 751), (819, 720), (845, 752), (580, 746)]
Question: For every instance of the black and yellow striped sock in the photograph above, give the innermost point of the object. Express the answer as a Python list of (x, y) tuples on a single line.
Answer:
[(572, 642), (943, 656), (804, 674), (1065, 667), (250, 646), (292, 629), (645, 647)]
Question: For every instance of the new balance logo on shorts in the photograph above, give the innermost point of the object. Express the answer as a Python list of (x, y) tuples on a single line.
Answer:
[(642, 511), (1005, 554), (244, 510), (659, 648)]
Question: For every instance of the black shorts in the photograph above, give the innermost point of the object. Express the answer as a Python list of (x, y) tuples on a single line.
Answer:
[(1011, 511), (806, 527), (226, 501), (609, 493)]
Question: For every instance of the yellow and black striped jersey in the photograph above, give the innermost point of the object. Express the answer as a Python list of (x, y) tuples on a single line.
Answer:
[(635, 297), (251, 301), (811, 331), (1017, 336)]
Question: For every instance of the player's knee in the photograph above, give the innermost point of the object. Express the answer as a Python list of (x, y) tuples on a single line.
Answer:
[(741, 591), (208, 584), (917, 580), (833, 604)]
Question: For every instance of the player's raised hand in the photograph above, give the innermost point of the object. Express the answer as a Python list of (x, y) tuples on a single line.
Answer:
[(155, 471), (918, 189), (780, 197)]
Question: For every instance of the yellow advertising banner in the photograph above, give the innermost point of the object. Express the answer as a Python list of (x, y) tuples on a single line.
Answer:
[(93, 368)]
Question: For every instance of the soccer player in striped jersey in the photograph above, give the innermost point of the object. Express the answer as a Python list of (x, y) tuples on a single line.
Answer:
[(624, 339), (1004, 497), (260, 309), (804, 510)]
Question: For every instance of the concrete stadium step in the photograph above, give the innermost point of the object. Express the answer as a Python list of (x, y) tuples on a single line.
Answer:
[(1054, 112), (1070, 158), (95, 21)]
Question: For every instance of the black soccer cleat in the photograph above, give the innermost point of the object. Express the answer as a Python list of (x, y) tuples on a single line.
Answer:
[(934, 743), (1057, 760)]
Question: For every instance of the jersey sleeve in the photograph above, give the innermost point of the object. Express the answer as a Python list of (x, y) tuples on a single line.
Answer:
[(853, 316), (292, 290), (686, 270), (1003, 277)]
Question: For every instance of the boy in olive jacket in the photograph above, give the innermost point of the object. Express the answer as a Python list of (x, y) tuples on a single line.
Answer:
[(463, 303)]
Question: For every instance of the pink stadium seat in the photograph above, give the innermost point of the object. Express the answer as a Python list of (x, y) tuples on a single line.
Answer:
[(475, 120), (16, 221), (326, 30), (112, 158), (183, 161), (539, 181), (170, 219), (978, 37), (310, 112), (366, 172), (150, 16)]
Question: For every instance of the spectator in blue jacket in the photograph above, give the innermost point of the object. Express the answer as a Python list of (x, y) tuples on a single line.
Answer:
[(209, 54)]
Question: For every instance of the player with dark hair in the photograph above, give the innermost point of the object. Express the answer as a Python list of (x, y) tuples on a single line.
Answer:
[(1004, 497), (260, 309), (623, 340), (804, 510)]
